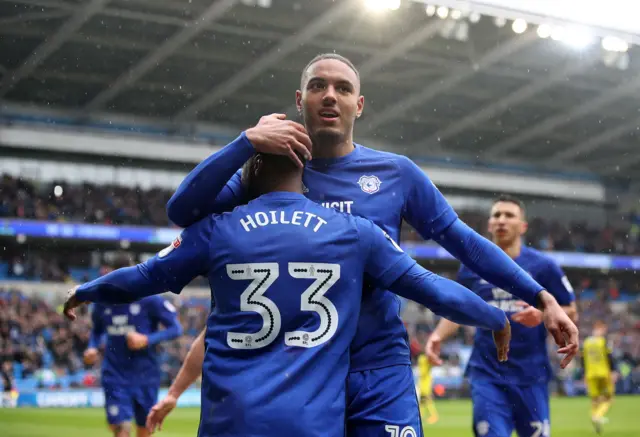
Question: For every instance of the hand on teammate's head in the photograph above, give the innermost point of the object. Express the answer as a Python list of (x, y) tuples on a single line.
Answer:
[(276, 135)]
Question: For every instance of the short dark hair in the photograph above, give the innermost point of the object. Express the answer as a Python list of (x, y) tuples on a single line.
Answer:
[(322, 57), (508, 198), (272, 167)]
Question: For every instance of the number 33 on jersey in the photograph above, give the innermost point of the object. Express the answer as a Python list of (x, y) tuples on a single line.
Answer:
[(313, 299)]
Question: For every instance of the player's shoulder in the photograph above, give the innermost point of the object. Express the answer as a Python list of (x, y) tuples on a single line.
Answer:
[(536, 258), (400, 161)]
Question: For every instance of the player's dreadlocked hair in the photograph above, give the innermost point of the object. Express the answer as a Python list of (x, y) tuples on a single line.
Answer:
[(508, 198), (322, 57), (262, 170)]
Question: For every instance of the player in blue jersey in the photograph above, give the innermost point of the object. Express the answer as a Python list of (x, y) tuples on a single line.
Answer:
[(287, 277), (130, 368), (513, 394), (383, 187)]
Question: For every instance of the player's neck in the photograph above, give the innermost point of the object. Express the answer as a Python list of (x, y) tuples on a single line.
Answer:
[(290, 185), (512, 249), (323, 149)]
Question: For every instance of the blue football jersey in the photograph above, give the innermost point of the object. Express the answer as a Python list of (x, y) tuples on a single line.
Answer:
[(287, 276), (384, 188), (528, 359), (121, 365)]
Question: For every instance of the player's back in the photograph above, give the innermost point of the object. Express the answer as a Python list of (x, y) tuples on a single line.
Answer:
[(286, 277), (596, 357), (121, 365)]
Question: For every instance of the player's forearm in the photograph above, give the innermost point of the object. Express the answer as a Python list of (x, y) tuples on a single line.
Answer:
[(446, 328), (489, 261), (120, 286), (171, 332), (448, 299), (572, 311), (191, 368), (193, 199)]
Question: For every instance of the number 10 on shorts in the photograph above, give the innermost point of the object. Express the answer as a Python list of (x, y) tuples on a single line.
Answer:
[(395, 431)]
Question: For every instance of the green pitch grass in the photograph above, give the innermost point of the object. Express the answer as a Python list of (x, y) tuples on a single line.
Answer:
[(570, 418)]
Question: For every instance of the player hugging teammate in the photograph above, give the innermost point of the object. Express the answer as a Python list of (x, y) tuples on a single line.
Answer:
[(256, 268)]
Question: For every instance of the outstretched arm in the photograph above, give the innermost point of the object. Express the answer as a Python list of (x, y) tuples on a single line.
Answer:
[(429, 213), (489, 261), (393, 269), (170, 270), (448, 299)]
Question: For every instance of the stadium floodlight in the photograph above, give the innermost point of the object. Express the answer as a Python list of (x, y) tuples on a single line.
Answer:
[(519, 26), (544, 31), (394, 4), (456, 14), (500, 21), (474, 17), (430, 10), (381, 5), (443, 12), (578, 37), (557, 33), (614, 44)]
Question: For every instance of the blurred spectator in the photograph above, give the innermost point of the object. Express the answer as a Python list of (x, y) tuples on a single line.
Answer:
[(37, 342)]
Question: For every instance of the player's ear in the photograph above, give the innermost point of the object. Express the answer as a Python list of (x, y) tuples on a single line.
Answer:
[(360, 106), (299, 101), (257, 166), (523, 227)]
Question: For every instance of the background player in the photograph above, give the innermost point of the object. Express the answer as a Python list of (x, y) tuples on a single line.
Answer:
[(383, 187), (294, 354), (513, 394), (599, 375), (426, 389), (130, 369)]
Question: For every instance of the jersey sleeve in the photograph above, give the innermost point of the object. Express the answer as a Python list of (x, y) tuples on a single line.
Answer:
[(463, 277), (170, 270), (192, 200), (556, 283), (385, 260), (425, 208), (166, 314), (188, 257)]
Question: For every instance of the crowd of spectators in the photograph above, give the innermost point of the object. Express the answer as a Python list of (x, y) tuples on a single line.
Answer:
[(108, 204), (37, 343)]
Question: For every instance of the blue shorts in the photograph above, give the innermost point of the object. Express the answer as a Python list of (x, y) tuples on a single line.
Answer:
[(123, 402), (383, 403), (498, 409)]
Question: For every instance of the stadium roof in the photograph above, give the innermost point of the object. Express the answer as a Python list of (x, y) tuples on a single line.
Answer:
[(432, 88)]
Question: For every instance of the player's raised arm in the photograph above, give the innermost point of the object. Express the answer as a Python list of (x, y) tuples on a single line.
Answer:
[(187, 375), (170, 270), (203, 191), (392, 269)]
